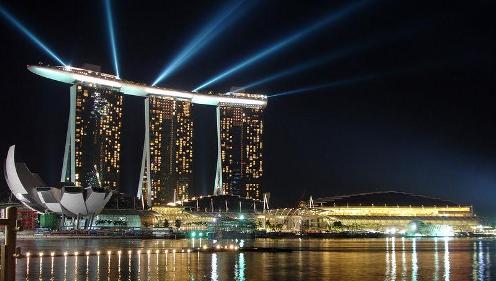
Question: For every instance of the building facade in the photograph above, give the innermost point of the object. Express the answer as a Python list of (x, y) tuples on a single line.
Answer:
[(166, 173), (388, 212), (240, 146), (93, 147)]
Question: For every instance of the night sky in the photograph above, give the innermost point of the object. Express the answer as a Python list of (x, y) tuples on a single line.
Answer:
[(423, 122)]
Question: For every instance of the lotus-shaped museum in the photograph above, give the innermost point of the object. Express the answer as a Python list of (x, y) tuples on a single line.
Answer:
[(66, 199)]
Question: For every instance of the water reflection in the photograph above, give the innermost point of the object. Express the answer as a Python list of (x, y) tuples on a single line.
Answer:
[(97, 267), (446, 260), (436, 261), (326, 259), (214, 276), (27, 268), (41, 268), (480, 262), (404, 269), (388, 264), (414, 259), (65, 266), (393, 258), (241, 274), (51, 269)]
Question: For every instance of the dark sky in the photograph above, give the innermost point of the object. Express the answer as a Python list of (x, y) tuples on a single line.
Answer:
[(424, 124)]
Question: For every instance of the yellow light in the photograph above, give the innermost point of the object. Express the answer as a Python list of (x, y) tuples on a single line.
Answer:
[(65, 254), (98, 253), (157, 251), (109, 252), (87, 253), (119, 252), (28, 254), (52, 254), (204, 247), (129, 252), (76, 253)]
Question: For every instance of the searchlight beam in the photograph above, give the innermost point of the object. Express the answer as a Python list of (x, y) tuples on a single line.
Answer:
[(15, 22), (284, 43), (110, 25)]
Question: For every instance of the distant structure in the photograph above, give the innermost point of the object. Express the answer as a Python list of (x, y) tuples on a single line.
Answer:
[(92, 155)]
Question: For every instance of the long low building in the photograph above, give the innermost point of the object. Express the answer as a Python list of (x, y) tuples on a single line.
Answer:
[(387, 212)]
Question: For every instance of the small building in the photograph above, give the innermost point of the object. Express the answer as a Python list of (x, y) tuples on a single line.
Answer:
[(124, 219), (27, 219)]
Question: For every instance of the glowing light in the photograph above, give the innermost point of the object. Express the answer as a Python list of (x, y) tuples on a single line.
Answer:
[(324, 86), (284, 43), (87, 253), (65, 254), (76, 253), (444, 231), (68, 76), (52, 254), (97, 253), (109, 253), (157, 251), (95, 80), (306, 65), (41, 254), (119, 252), (205, 247), (29, 34), (219, 23), (217, 247), (110, 25), (28, 254)]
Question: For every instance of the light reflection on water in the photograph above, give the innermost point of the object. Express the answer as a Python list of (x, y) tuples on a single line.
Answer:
[(311, 259)]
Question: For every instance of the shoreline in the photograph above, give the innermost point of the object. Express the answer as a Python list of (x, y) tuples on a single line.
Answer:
[(32, 236)]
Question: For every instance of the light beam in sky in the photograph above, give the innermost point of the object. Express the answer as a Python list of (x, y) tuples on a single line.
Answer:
[(15, 22), (110, 25), (222, 20), (285, 42)]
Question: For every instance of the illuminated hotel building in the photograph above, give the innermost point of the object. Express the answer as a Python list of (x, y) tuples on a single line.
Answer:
[(92, 151), (240, 159), (168, 151)]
